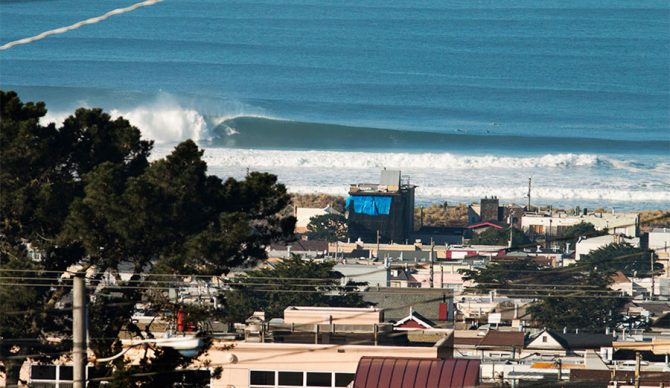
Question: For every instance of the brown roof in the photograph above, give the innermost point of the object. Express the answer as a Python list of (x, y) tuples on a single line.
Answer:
[(619, 277), (392, 372), (467, 340), (503, 338)]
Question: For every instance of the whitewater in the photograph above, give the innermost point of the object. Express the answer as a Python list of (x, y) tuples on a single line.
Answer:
[(620, 181), (467, 98)]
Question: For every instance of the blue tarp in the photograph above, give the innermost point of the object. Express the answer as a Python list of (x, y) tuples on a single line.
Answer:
[(370, 205)]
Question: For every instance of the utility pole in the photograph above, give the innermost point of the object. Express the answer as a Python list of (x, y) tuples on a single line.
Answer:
[(637, 369), (79, 331), (432, 263), (529, 183), (651, 294), (511, 229), (378, 237), (441, 276)]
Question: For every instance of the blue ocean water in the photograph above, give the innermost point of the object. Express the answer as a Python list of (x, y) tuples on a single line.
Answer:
[(584, 84)]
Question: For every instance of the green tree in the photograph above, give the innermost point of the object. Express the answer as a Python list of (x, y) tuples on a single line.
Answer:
[(273, 289), (85, 193), (331, 227), (573, 233), (619, 257), (40, 177), (577, 296), (494, 236)]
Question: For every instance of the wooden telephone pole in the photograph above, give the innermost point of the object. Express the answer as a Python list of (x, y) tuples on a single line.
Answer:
[(79, 331)]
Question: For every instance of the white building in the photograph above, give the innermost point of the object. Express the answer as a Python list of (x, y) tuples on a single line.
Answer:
[(586, 246), (553, 225), (659, 240), (305, 214)]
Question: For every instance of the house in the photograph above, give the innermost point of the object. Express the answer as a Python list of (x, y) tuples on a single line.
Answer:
[(551, 342), (374, 274), (552, 225), (432, 303), (307, 248), (304, 215), (646, 312), (659, 239), (501, 345), (620, 282), (482, 227), (462, 252), (309, 315), (414, 321), (585, 246), (441, 235)]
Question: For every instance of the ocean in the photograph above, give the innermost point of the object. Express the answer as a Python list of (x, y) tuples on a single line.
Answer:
[(468, 98)]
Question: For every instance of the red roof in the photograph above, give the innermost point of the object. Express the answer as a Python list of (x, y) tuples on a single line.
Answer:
[(483, 224), (396, 372)]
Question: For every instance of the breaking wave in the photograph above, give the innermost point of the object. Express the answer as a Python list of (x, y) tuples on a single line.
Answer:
[(163, 120), (403, 160)]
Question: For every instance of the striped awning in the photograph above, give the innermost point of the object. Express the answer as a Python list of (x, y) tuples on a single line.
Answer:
[(392, 372)]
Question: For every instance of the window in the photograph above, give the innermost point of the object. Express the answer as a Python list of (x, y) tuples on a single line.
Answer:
[(544, 338), (291, 379), (66, 372), (262, 378), (319, 379), (43, 372), (343, 379)]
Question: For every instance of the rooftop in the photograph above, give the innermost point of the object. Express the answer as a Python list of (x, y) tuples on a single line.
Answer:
[(503, 338)]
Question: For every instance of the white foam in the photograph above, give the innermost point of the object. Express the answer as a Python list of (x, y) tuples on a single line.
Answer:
[(163, 120), (559, 179), (167, 120), (368, 160)]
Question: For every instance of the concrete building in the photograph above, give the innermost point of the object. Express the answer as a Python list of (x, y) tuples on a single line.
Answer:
[(381, 212)]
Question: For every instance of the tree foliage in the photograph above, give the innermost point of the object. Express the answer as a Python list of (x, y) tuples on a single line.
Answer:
[(494, 236), (86, 193), (573, 233), (273, 289), (621, 257), (589, 305), (331, 227)]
